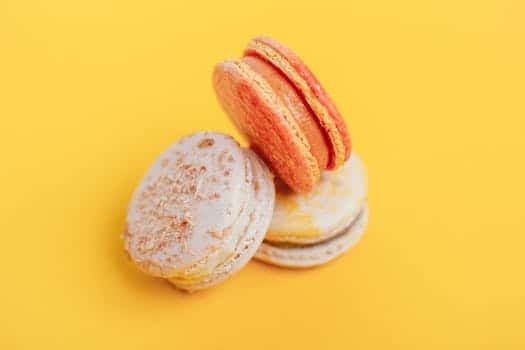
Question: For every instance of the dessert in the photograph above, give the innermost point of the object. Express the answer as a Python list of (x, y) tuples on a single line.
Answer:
[(314, 228), (200, 212), (288, 118)]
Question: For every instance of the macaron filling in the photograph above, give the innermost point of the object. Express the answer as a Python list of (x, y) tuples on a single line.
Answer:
[(340, 233), (303, 256), (295, 102)]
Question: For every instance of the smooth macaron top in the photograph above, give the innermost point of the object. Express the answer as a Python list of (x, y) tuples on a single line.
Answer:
[(181, 217), (334, 204), (278, 104)]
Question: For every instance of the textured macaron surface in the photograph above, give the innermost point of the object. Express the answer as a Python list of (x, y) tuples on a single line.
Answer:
[(281, 108), (268, 124), (293, 100), (182, 217), (289, 64), (333, 204), (250, 231)]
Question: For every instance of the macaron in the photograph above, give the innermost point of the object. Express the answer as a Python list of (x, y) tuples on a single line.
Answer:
[(200, 212), (277, 103), (314, 228)]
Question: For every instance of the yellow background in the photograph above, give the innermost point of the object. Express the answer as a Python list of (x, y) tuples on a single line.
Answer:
[(433, 93)]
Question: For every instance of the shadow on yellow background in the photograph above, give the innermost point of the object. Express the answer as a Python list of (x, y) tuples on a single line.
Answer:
[(433, 93)]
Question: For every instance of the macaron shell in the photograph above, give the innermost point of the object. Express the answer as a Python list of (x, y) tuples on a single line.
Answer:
[(305, 81), (316, 254), (334, 203), (181, 213), (299, 109), (261, 116), (204, 271), (197, 275), (264, 198)]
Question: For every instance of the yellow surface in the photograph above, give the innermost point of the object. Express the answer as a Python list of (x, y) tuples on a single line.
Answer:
[(433, 91)]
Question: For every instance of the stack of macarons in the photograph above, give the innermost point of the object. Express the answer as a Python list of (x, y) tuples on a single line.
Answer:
[(206, 204)]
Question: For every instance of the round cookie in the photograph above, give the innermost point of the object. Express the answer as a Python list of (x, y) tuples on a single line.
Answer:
[(278, 104), (200, 211)]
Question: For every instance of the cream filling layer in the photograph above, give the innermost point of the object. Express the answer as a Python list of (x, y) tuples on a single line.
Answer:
[(312, 234), (336, 234)]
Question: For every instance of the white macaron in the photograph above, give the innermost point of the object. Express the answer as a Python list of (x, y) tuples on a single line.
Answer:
[(200, 212)]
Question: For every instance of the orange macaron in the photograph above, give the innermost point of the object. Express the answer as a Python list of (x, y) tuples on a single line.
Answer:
[(278, 104)]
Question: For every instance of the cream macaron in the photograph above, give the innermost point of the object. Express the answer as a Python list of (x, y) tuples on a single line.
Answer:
[(200, 212), (314, 228)]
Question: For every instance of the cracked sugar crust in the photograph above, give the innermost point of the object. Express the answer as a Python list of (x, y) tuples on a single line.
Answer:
[(183, 196)]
